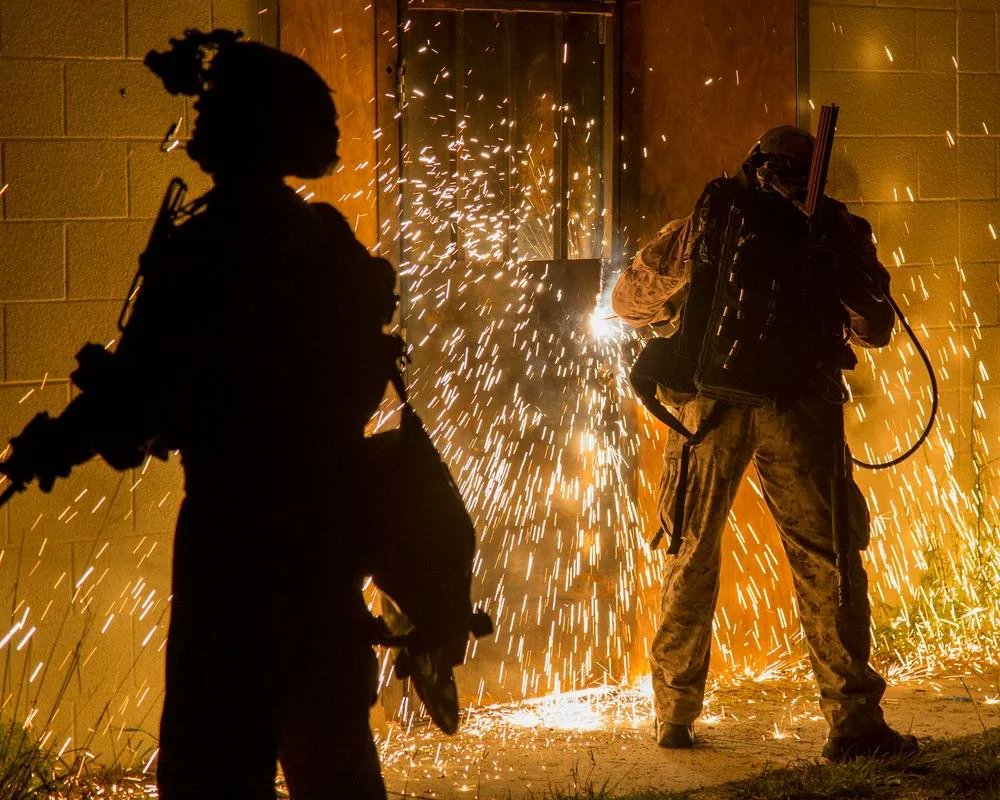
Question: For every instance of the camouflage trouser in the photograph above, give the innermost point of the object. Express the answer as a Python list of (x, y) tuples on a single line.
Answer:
[(792, 453)]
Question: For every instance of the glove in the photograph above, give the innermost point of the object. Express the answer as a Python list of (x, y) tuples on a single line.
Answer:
[(844, 246)]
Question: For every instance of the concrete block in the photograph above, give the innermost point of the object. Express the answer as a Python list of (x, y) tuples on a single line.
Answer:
[(937, 169), (45, 652), (31, 261), (102, 257), (151, 23), (150, 170), (105, 680), (92, 29), (893, 413), (977, 41), (121, 741), (936, 41), (92, 503), (945, 350), (875, 39), (117, 98), (31, 572), (825, 36), (929, 295), (140, 745), (927, 231), (982, 288), (987, 437), (932, 4), (10, 570), (149, 629), (150, 637), (914, 104), (157, 494), (857, 91), (977, 5), (870, 169), (239, 15), (979, 105), (977, 241), (59, 180), (998, 175), (31, 96), (18, 404), (116, 585), (977, 169), (49, 645), (988, 352), (888, 104), (43, 338)]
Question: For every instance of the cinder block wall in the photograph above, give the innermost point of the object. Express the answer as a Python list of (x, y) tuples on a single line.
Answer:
[(84, 572), (918, 82)]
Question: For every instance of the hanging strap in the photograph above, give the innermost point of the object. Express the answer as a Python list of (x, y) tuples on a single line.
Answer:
[(710, 423)]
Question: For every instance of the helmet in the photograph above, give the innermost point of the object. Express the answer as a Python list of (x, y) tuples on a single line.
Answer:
[(779, 160), (259, 110)]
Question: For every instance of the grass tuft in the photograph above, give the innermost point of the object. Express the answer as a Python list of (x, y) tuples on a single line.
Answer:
[(27, 770), (965, 767), (605, 793)]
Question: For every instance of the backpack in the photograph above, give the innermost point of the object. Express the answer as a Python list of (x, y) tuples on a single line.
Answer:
[(750, 329)]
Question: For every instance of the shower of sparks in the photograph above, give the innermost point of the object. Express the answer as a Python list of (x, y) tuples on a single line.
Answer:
[(550, 451)]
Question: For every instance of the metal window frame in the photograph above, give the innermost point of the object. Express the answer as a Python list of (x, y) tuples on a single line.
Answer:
[(601, 7), (389, 117)]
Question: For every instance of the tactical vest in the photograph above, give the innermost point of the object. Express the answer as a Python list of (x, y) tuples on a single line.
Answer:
[(759, 318)]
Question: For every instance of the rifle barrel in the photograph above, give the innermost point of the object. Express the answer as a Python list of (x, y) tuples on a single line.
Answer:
[(820, 164)]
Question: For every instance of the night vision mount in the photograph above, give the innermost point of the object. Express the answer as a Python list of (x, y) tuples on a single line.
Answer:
[(184, 68)]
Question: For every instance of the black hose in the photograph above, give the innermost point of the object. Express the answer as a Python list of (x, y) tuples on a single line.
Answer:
[(934, 398)]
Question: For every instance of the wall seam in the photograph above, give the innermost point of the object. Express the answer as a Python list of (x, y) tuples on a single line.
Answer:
[(125, 52), (65, 103), (3, 325), (3, 181), (65, 256)]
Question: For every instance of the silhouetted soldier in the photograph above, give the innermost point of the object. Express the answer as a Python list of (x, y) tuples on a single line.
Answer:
[(255, 348)]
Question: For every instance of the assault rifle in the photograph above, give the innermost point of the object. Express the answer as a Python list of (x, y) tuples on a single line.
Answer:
[(41, 451)]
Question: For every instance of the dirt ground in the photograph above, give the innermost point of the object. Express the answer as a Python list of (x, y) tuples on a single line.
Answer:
[(602, 739)]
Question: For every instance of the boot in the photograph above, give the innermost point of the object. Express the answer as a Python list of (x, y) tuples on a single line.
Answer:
[(882, 742), (674, 737)]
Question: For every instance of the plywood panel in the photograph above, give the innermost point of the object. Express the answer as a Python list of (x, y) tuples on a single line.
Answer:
[(337, 37), (703, 80), (700, 82)]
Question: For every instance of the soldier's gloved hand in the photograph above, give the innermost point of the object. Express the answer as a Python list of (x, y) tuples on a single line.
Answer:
[(844, 248), (96, 369)]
